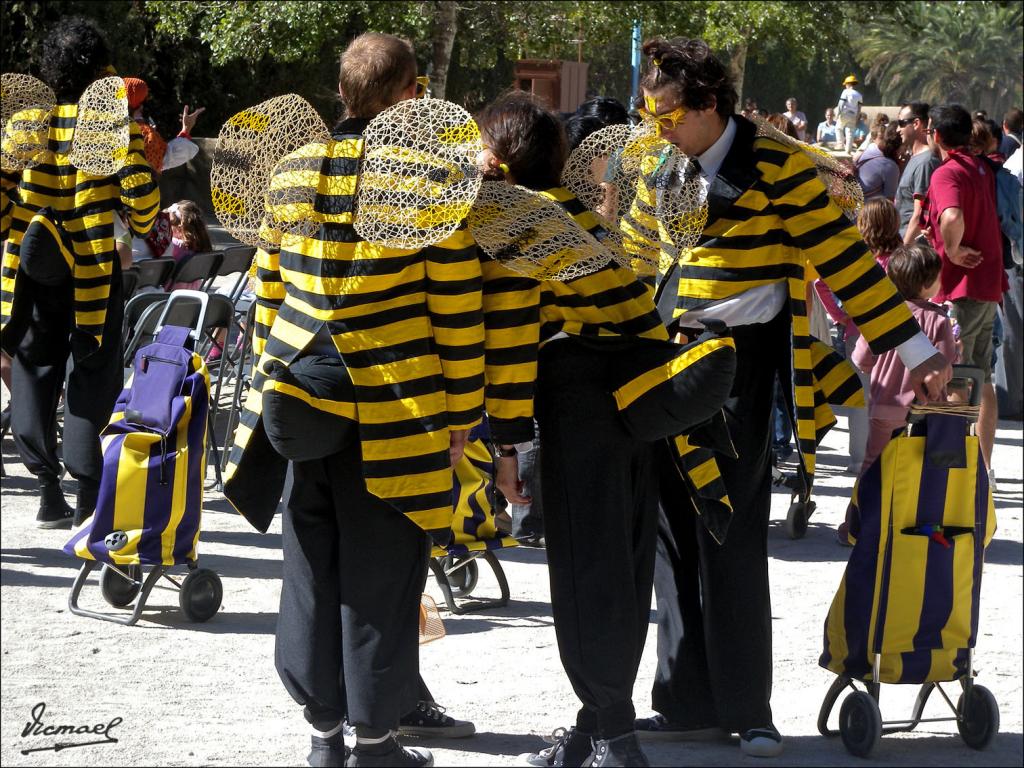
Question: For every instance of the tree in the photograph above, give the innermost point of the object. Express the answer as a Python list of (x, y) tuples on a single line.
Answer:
[(947, 52), (445, 19)]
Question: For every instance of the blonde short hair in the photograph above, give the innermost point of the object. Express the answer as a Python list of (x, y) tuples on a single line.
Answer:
[(375, 68)]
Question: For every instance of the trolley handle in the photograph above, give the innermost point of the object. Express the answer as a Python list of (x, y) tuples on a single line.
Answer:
[(180, 295), (970, 409), (975, 376)]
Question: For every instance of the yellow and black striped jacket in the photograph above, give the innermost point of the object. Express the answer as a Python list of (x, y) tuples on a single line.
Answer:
[(82, 206), (522, 314), (769, 216), (408, 325)]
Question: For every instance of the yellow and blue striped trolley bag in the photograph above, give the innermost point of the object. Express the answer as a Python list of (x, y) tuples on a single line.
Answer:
[(907, 607), (475, 534), (151, 491)]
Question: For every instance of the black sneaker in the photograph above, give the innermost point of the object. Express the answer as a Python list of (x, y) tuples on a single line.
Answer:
[(761, 742), (568, 748), (621, 751), (389, 753), (660, 728), (429, 720), (328, 753), (54, 510), (534, 540)]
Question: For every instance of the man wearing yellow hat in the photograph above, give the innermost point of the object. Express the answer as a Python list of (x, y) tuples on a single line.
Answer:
[(848, 110)]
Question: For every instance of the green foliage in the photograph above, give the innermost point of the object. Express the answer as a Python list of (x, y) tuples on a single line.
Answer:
[(229, 55), (947, 52)]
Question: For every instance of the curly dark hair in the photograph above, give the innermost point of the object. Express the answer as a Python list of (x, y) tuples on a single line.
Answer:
[(527, 137), (692, 72), (74, 55)]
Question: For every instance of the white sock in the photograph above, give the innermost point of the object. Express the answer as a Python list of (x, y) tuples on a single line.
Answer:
[(369, 741), (327, 734)]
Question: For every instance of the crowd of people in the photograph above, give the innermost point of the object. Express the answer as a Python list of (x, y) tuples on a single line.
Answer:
[(975, 199), (398, 354)]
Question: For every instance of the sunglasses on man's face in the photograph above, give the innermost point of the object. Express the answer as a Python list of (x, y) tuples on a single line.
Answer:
[(904, 123), (422, 83), (665, 122)]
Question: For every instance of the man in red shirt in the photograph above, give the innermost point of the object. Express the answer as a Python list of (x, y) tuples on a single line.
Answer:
[(961, 205)]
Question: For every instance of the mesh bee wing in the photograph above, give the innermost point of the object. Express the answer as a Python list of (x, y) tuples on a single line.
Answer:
[(418, 177), (602, 172), (534, 236), (682, 203), (260, 174), (102, 128), (25, 108)]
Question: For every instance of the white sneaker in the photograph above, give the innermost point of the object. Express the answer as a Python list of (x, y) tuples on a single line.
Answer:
[(761, 742), (992, 481)]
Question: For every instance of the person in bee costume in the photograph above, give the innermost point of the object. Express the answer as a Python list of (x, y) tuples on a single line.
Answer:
[(589, 349), (61, 283), (768, 215), (370, 375)]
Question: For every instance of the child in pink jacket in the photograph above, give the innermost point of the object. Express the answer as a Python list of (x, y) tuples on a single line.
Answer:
[(915, 271)]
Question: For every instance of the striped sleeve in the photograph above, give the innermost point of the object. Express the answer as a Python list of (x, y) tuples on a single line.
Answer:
[(269, 290), (455, 306), (139, 190), (512, 327), (8, 196), (833, 245)]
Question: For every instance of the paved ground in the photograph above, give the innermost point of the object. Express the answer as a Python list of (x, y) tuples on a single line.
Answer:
[(207, 694)]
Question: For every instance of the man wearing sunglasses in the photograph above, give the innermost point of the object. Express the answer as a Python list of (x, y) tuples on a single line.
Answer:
[(768, 217), (913, 186)]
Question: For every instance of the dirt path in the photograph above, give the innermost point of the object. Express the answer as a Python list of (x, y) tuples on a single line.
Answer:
[(208, 695)]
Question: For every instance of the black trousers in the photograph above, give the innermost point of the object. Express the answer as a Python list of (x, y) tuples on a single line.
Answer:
[(600, 512), (714, 609), (53, 356), (354, 569)]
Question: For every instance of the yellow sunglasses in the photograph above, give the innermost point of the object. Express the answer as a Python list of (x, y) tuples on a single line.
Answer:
[(665, 122), (422, 83)]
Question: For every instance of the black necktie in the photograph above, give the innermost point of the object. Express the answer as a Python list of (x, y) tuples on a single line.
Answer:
[(692, 170)]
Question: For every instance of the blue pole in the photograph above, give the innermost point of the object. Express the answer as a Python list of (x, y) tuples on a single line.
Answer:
[(635, 85)]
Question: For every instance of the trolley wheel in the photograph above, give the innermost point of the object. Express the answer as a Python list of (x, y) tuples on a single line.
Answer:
[(981, 724), (201, 593), (860, 723), (464, 580), (116, 589), (797, 517)]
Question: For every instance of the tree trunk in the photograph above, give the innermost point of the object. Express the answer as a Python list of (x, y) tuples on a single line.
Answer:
[(445, 23), (737, 65)]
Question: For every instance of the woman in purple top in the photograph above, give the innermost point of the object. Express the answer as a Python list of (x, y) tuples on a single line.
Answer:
[(877, 170)]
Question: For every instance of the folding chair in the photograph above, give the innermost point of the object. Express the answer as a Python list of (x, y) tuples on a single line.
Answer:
[(199, 266), (243, 380), (236, 260), (129, 282), (154, 272), (134, 310)]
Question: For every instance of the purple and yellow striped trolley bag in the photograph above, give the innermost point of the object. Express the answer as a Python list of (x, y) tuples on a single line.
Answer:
[(907, 607), (151, 492), (475, 534)]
